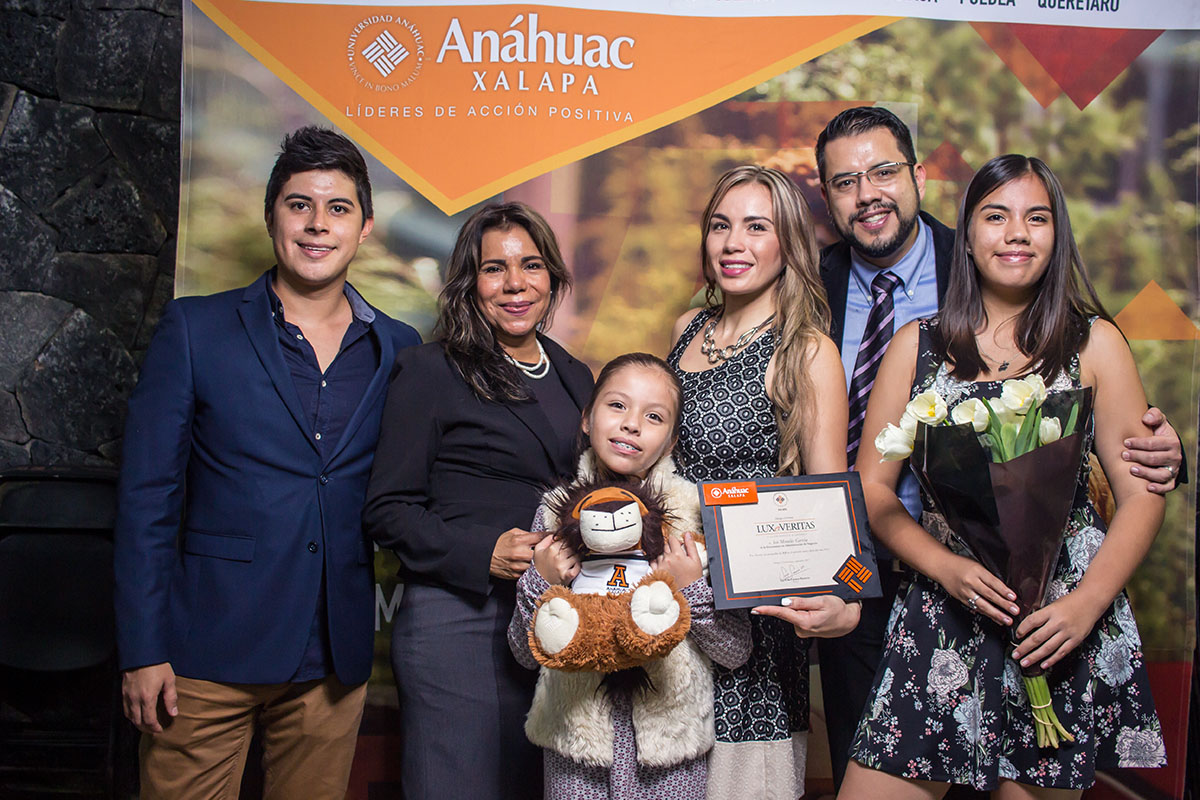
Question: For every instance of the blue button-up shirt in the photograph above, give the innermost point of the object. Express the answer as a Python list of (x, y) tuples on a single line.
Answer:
[(329, 399), (915, 296)]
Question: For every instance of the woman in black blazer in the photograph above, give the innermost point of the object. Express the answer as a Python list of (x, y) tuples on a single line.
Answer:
[(477, 425)]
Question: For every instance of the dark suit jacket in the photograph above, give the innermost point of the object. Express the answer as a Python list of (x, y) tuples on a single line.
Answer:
[(835, 272), (453, 472), (228, 516)]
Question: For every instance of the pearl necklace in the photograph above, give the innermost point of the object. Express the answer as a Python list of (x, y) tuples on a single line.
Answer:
[(717, 354), (536, 371)]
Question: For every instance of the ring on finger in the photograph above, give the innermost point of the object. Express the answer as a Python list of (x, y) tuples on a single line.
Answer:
[(1171, 470), (973, 603)]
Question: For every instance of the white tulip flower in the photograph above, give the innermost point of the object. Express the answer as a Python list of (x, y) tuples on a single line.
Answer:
[(1003, 412), (971, 410), (928, 407), (1038, 386), (1050, 430), (894, 443), (1017, 396)]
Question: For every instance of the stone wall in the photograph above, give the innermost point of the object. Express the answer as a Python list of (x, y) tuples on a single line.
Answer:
[(89, 192)]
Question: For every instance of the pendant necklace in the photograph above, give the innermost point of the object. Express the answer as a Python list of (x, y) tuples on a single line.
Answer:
[(1001, 366), (535, 371), (718, 354)]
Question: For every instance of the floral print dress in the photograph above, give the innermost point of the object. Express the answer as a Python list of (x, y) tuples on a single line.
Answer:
[(948, 702)]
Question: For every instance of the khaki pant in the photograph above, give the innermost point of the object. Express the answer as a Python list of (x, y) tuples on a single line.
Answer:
[(308, 734)]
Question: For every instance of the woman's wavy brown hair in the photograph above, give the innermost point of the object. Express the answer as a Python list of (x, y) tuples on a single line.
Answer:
[(469, 340), (801, 309)]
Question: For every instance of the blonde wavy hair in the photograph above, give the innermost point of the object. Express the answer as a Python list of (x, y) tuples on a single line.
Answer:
[(801, 309)]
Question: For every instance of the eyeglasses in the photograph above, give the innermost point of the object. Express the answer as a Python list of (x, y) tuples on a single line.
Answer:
[(881, 177)]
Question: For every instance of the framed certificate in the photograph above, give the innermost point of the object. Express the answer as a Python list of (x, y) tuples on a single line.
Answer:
[(773, 538)]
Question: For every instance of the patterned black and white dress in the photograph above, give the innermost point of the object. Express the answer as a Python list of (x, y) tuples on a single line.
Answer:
[(948, 703), (729, 432)]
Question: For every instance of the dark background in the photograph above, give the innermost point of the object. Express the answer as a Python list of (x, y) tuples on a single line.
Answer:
[(89, 195)]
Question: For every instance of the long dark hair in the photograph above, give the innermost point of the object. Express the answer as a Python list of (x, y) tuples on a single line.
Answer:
[(1052, 328), (469, 340)]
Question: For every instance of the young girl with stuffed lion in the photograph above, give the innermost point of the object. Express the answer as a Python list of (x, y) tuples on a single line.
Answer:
[(629, 716)]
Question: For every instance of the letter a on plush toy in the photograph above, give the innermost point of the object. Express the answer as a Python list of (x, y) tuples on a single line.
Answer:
[(617, 581)]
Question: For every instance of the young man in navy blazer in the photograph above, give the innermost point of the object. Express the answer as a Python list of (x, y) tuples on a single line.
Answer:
[(244, 585)]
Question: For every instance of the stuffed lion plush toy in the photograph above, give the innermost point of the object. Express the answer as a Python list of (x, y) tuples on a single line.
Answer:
[(598, 624)]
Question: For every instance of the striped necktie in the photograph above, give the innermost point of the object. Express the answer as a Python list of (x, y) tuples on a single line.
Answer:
[(875, 338)]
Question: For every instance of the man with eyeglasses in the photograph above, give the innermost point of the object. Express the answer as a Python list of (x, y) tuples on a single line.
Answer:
[(892, 266)]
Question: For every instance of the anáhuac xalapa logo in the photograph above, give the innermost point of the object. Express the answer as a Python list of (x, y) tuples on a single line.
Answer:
[(385, 52)]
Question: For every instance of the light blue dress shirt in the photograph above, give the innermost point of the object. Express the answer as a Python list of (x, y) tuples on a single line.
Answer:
[(914, 297)]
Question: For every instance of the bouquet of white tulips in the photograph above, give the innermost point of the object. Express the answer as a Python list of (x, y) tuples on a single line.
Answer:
[(1010, 425), (1024, 447)]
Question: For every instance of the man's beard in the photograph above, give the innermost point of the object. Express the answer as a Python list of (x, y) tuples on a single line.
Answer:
[(880, 248)]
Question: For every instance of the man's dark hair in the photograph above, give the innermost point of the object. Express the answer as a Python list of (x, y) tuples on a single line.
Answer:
[(311, 148), (857, 121)]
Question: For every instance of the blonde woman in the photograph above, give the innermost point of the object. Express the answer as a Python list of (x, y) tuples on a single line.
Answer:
[(750, 365)]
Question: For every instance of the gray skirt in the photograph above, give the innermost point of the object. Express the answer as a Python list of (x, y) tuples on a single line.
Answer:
[(463, 697)]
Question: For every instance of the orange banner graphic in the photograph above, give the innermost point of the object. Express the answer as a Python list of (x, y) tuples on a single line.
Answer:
[(464, 102)]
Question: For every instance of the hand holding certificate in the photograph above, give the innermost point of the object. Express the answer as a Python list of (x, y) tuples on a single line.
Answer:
[(777, 538), (822, 617)]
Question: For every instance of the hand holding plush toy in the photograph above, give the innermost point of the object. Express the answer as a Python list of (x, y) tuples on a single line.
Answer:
[(598, 624)]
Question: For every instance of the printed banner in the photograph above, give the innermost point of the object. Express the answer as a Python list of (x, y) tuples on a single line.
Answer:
[(1076, 13), (526, 88), (615, 118)]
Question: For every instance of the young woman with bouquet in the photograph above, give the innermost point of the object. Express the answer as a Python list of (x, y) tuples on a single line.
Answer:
[(948, 705)]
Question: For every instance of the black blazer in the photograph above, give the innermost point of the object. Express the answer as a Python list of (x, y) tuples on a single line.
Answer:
[(452, 472), (835, 273)]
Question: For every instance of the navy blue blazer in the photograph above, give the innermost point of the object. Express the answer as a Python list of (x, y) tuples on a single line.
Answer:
[(227, 513)]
